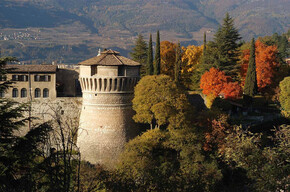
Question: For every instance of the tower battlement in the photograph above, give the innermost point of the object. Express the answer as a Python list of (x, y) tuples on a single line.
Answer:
[(108, 84)]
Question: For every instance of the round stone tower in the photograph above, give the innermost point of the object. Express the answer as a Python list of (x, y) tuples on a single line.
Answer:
[(106, 124)]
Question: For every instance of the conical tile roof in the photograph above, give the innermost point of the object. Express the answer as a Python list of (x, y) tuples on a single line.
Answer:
[(109, 58)]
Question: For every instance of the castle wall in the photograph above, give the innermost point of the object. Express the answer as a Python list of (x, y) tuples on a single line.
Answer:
[(86, 70), (110, 71), (105, 126), (106, 122)]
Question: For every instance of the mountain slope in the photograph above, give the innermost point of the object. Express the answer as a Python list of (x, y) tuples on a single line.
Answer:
[(116, 23)]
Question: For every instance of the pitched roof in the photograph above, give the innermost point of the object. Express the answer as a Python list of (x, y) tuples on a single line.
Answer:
[(31, 68), (111, 58)]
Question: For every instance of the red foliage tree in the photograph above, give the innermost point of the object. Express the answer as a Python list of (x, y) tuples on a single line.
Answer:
[(266, 64), (213, 81), (232, 90)]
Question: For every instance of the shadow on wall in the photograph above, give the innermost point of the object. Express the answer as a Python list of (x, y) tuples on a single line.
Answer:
[(67, 83)]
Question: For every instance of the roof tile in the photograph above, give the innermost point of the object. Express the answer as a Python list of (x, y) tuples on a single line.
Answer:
[(111, 58)]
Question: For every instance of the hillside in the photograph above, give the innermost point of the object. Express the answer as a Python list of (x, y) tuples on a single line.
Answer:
[(115, 23)]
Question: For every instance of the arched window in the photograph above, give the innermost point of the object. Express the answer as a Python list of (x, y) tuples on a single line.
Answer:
[(14, 92), (37, 93), (23, 92), (45, 92), (2, 93)]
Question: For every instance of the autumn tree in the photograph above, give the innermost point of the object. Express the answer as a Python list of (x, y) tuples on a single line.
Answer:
[(213, 82), (285, 96), (223, 52), (267, 167), (139, 53), (168, 57), (216, 134), (150, 67), (231, 90), (191, 61), (161, 160), (158, 100), (157, 59), (266, 64), (251, 77)]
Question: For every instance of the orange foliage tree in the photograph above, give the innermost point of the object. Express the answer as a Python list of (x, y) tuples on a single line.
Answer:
[(167, 54), (232, 90), (215, 82), (266, 64)]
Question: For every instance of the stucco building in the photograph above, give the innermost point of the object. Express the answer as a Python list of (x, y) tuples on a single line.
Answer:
[(106, 124), (30, 82)]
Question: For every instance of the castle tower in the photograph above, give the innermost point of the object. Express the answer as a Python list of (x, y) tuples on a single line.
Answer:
[(106, 124)]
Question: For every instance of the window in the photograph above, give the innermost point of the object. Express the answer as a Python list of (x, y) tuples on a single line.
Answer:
[(3, 78), (14, 92), (45, 92), (23, 78), (36, 78), (19, 77), (23, 92), (42, 78), (2, 93), (37, 93), (14, 77)]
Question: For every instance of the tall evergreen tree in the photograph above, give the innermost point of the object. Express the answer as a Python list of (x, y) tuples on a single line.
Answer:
[(157, 60), (223, 52), (251, 86), (139, 53), (204, 43), (150, 68), (177, 67)]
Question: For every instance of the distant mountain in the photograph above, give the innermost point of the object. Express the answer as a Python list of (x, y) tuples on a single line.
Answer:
[(113, 23), (252, 17)]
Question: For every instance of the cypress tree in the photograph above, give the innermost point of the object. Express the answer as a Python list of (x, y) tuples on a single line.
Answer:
[(139, 53), (204, 44), (150, 68), (251, 77), (177, 63), (157, 59)]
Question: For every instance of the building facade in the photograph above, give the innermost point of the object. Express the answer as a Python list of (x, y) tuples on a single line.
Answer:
[(30, 82), (106, 124)]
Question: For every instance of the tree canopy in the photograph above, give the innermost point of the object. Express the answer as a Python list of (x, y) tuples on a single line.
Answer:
[(223, 52), (158, 100), (139, 53)]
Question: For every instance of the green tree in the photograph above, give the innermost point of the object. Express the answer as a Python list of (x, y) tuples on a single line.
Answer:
[(177, 67), (139, 53), (167, 160), (157, 60), (284, 97), (251, 86), (150, 68), (18, 155), (204, 43), (223, 52), (158, 101), (267, 166)]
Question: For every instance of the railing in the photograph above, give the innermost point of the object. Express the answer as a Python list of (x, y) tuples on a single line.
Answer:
[(108, 84)]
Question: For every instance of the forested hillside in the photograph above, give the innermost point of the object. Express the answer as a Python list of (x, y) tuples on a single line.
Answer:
[(113, 23)]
